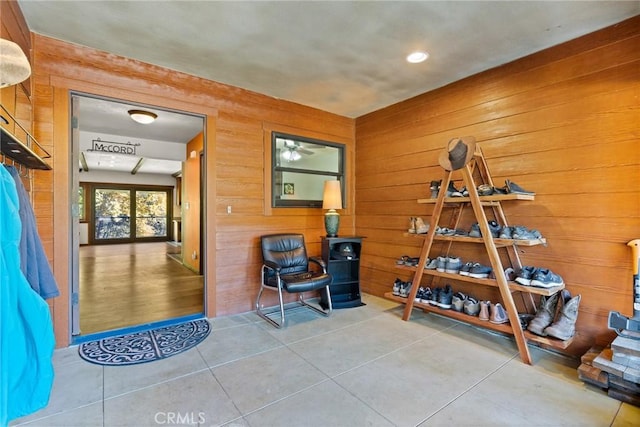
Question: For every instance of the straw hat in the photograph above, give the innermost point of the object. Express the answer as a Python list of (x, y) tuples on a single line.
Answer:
[(458, 153), (14, 65)]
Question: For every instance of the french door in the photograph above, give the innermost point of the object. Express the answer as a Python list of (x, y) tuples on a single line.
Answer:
[(129, 213)]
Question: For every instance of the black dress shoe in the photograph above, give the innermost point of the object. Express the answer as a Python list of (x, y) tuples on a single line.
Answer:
[(516, 189)]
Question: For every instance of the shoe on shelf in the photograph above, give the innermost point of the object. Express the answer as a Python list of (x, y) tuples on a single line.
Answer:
[(420, 294), (464, 191), (510, 274), (435, 187), (431, 264), (545, 278), (526, 274), (506, 232), (441, 262), (564, 325), (475, 230), (523, 233), (480, 271), (452, 191), (461, 232), (501, 190), (545, 314), (457, 301), (402, 259), (453, 265), (420, 226), (445, 297), (412, 225), (471, 306), (396, 286), (485, 190), (484, 310), (498, 314), (516, 189), (524, 319), (411, 262), (427, 295), (494, 228), (464, 270), (405, 289), (435, 296)]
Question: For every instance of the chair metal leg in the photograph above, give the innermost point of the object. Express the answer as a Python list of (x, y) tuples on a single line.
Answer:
[(326, 312), (301, 301), (281, 304)]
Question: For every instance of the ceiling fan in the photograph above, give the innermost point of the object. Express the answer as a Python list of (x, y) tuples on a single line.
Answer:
[(295, 146), (293, 150)]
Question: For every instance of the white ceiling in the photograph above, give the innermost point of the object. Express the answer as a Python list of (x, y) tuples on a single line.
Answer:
[(345, 57), (102, 117), (110, 117)]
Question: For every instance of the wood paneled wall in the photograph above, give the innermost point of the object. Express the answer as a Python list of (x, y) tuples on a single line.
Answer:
[(564, 123), (237, 122)]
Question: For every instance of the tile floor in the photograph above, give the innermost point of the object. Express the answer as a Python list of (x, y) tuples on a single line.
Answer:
[(362, 366)]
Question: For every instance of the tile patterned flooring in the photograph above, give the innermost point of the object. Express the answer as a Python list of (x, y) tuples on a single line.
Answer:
[(361, 367)]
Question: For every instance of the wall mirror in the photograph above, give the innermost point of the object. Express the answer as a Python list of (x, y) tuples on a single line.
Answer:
[(300, 168)]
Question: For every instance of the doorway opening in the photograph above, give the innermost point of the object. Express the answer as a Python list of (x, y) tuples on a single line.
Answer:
[(136, 222)]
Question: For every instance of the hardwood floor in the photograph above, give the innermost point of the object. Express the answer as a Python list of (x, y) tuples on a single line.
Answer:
[(133, 284)]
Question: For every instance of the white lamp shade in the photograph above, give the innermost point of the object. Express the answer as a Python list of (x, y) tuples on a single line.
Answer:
[(14, 65), (332, 196)]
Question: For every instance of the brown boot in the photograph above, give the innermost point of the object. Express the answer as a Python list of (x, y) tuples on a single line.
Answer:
[(564, 326), (544, 315), (412, 225), (420, 226)]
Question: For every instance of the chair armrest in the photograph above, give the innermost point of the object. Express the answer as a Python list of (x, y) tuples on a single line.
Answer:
[(319, 261), (270, 268), (273, 266)]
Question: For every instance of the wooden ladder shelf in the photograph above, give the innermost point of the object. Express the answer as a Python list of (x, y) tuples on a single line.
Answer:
[(505, 287)]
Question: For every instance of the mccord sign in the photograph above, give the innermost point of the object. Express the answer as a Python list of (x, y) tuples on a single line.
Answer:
[(114, 147)]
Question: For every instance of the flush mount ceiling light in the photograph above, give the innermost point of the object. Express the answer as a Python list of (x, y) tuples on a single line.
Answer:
[(142, 116), (417, 57)]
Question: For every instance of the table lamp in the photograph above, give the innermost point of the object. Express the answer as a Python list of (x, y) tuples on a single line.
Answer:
[(332, 200)]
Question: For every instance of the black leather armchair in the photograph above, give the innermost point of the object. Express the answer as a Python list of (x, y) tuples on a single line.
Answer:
[(286, 268)]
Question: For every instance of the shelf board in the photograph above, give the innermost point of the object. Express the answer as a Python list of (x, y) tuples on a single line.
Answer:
[(515, 287), (467, 239), (13, 149), (548, 341), (486, 200), (473, 320)]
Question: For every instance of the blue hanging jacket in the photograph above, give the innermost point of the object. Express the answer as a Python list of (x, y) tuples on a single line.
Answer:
[(26, 330), (33, 260)]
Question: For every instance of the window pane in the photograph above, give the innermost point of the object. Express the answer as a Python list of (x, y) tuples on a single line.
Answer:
[(300, 166), (151, 213), (81, 205), (305, 186), (296, 154), (113, 214)]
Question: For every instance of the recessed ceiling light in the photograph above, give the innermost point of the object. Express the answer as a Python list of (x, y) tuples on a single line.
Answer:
[(142, 116), (417, 57)]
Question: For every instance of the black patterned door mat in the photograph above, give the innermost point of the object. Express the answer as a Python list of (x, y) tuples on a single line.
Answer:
[(146, 346)]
